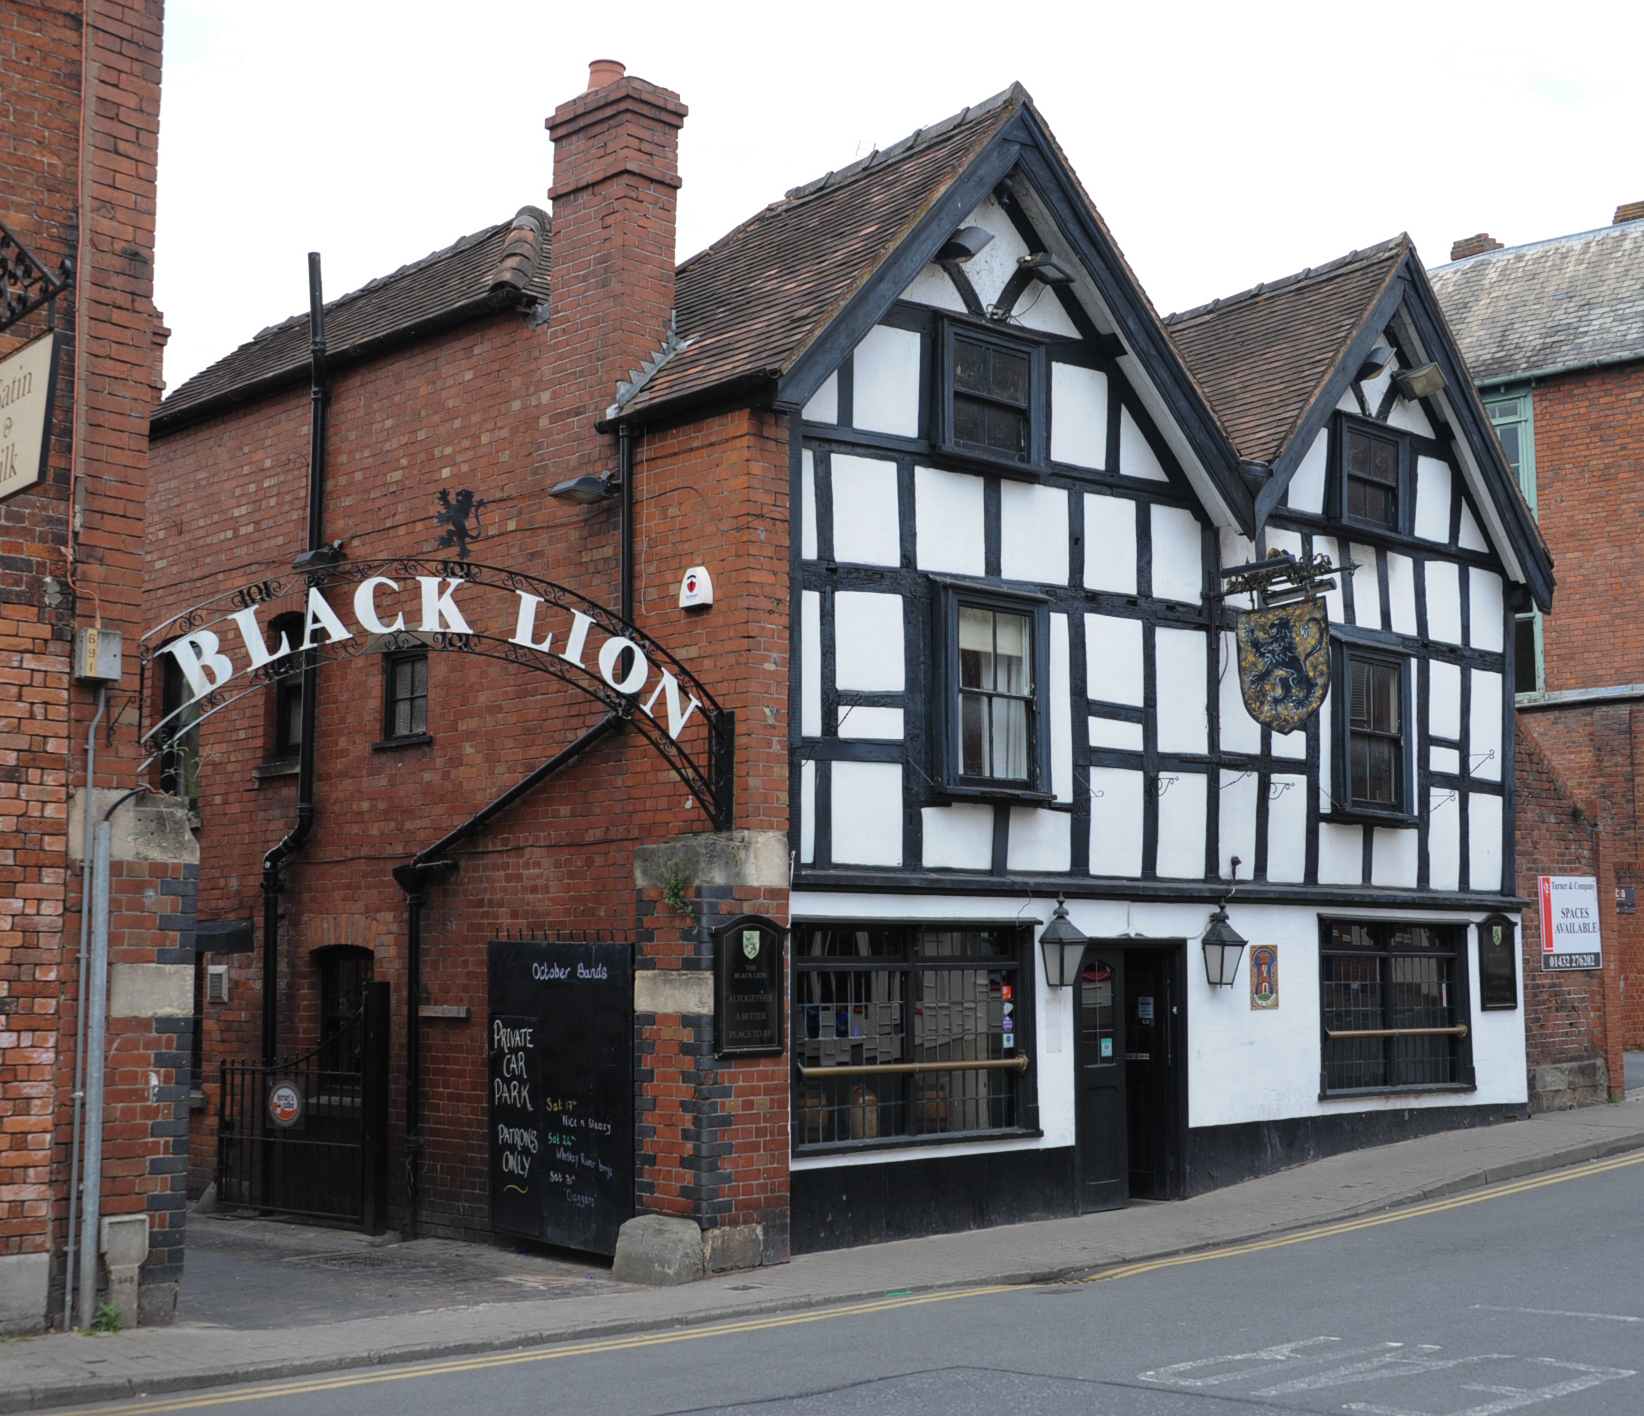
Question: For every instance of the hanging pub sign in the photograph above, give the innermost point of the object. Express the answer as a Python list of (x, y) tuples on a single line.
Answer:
[(28, 388), (1569, 923), (748, 988), (1284, 646), (1497, 963)]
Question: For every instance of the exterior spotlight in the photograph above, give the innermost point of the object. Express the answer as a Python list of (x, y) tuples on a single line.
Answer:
[(1223, 946), (1375, 363), (1063, 944), (966, 242), (1422, 382), (586, 490), (1046, 269)]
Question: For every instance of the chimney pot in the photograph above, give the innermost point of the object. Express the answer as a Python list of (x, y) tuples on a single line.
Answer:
[(1628, 211), (605, 71), (1473, 246)]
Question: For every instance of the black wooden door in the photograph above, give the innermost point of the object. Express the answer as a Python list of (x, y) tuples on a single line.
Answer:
[(1151, 1059), (1104, 1165)]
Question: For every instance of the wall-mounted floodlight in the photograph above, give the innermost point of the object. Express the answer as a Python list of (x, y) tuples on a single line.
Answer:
[(1375, 364), (586, 490), (1420, 383), (1046, 269), (966, 242)]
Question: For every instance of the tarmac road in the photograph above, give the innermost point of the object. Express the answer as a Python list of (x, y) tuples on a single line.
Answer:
[(1522, 1298)]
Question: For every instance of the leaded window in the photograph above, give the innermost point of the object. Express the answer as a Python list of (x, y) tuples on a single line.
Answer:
[(1393, 1005), (288, 690), (1370, 466), (991, 397), (906, 1031)]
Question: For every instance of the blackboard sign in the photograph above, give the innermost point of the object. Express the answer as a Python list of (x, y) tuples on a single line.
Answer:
[(1497, 963), (748, 988), (561, 1078)]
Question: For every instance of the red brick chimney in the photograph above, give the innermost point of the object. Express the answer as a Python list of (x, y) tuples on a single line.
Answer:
[(1473, 246), (1628, 211), (616, 176)]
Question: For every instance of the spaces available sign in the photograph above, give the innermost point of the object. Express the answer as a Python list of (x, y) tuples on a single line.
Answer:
[(1569, 923)]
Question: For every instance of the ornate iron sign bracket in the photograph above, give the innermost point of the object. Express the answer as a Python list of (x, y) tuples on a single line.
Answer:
[(1284, 646), (25, 284)]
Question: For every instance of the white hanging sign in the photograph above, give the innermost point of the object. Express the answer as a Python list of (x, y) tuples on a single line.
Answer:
[(27, 385), (1569, 923)]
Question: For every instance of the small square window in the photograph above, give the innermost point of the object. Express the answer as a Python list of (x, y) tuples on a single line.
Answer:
[(1371, 739), (989, 387), (406, 707), (1371, 469), (288, 690)]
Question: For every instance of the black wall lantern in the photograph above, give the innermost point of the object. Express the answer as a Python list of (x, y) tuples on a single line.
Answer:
[(1063, 944), (1223, 946)]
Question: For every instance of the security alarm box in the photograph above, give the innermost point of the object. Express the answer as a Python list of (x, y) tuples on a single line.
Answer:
[(97, 655), (696, 590)]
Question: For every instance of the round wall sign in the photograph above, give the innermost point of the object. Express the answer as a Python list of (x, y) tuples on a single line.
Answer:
[(285, 1103)]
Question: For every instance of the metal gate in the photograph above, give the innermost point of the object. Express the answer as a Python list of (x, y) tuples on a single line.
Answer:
[(308, 1135)]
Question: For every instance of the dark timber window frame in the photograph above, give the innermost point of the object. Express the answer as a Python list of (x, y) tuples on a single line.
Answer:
[(839, 968), (1513, 418), (950, 596), (1033, 409), (393, 698), (1400, 998), (1345, 805), (1403, 486), (180, 755), (288, 690)]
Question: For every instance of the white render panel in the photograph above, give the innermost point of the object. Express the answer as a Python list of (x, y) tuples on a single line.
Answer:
[(1485, 610), (1483, 842), (1078, 415), (807, 812), (958, 837), (867, 642), (807, 492), (1061, 712), (1401, 593), (948, 522), (1110, 544), (865, 528), (1290, 744), (1181, 825), (1278, 539), (1444, 759), (1240, 732), (1407, 414), (1471, 538), (1039, 839), (1237, 833), (1115, 821), (867, 813), (1040, 309), (1235, 548), (1393, 861), (932, 287), (1341, 854), (1366, 587), (1306, 490), (1443, 699), (1348, 404), (1443, 839), (824, 404), (995, 263), (1373, 389), (1287, 830), (810, 663), (1325, 753), (1178, 556), (1484, 727), (1033, 533), (1443, 602), (1112, 732), (1180, 664), (858, 721), (1113, 659), (1433, 499), (1335, 604), (885, 382), (1136, 455)]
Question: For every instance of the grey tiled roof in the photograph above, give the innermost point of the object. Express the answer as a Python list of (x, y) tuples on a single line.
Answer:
[(1573, 300)]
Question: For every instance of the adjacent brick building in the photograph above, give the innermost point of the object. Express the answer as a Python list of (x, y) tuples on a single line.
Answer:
[(82, 90), (1554, 334)]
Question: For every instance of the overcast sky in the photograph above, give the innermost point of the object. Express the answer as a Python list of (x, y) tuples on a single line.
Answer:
[(1225, 143)]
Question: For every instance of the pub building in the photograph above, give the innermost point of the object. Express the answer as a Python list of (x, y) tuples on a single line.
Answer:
[(640, 721)]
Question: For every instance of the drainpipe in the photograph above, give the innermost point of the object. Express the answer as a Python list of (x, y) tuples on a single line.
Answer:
[(625, 478), (317, 555), (424, 866)]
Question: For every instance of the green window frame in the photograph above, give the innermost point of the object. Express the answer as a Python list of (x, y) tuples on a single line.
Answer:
[(1512, 415)]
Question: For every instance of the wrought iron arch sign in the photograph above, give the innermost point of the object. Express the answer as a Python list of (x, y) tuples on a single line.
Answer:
[(221, 648)]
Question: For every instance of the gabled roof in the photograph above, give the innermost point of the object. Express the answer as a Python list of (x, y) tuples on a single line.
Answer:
[(504, 266), (1562, 304), (1265, 355)]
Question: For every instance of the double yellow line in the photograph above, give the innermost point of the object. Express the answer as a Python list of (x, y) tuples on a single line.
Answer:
[(200, 1400)]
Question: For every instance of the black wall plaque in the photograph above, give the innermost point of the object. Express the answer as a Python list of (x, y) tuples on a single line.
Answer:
[(748, 988), (561, 1078), (1497, 963)]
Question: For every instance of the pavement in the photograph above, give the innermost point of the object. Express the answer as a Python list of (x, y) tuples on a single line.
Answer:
[(265, 1300)]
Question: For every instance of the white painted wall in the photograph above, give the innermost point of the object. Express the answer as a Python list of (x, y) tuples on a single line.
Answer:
[(1443, 840), (810, 663), (1110, 544), (1393, 862), (1033, 533), (1484, 726), (1470, 537), (867, 813), (885, 382), (957, 837), (1181, 825), (824, 404), (1334, 601), (1112, 732), (1325, 765), (1341, 854), (1366, 587), (807, 495), (859, 721), (1432, 499), (1078, 415), (1136, 456), (1178, 556), (1401, 593), (1407, 414), (867, 642), (932, 287), (1443, 602), (1061, 712), (994, 265), (1306, 490), (1485, 609), (1113, 659), (1443, 700), (1240, 732), (1179, 663), (865, 528), (1287, 830), (807, 812), (948, 522), (1115, 809), (1039, 839), (1483, 841), (1237, 834), (1290, 744)]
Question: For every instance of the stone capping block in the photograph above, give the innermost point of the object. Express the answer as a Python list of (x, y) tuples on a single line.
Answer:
[(751, 859), (150, 828), (673, 991), (23, 1283), (658, 1250), (151, 991), (736, 1246)]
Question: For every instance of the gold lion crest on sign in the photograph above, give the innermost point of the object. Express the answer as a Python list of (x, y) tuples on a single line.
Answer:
[(1283, 647)]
